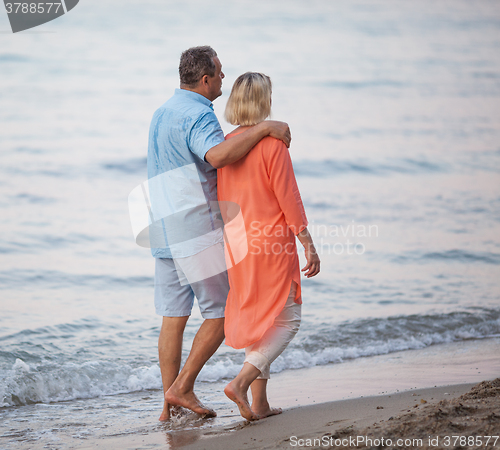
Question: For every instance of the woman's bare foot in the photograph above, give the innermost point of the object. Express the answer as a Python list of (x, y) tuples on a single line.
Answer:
[(239, 396), (265, 410), (188, 400)]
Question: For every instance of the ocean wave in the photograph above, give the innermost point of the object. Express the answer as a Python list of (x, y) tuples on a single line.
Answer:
[(26, 384), (323, 168), (133, 165), (32, 198), (328, 167), (404, 332), (31, 150), (12, 57), (52, 332), (485, 161), (56, 279), (327, 344), (370, 337), (52, 381), (454, 255), (355, 85)]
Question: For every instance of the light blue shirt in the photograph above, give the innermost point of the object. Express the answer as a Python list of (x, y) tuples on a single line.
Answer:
[(182, 185)]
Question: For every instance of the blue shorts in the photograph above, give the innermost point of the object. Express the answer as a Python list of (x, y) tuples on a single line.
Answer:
[(173, 299)]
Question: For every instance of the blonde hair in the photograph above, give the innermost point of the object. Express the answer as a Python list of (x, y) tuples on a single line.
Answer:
[(250, 99)]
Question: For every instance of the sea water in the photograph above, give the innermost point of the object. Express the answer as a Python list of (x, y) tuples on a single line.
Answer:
[(395, 115)]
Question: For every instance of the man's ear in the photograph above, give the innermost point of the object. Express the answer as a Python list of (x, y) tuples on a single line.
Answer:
[(204, 80)]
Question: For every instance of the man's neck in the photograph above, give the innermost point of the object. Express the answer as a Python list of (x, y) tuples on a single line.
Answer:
[(196, 89)]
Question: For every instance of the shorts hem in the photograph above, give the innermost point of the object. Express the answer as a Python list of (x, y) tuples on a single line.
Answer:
[(172, 314), (213, 315)]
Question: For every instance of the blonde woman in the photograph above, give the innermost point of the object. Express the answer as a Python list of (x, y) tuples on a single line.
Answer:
[(263, 309)]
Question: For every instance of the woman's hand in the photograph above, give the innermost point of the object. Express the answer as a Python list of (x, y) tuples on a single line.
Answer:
[(311, 269), (313, 262)]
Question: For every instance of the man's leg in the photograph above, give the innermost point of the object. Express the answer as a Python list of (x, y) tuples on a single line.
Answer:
[(170, 353), (206, 342), (211, 292)]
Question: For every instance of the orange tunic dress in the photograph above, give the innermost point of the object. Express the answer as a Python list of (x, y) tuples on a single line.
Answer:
[(263, 185)]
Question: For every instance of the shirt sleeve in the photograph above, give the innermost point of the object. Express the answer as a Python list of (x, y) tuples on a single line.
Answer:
[(284, 185), (205, 134)]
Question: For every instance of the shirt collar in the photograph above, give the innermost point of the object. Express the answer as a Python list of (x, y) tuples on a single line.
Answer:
[(195, 96)]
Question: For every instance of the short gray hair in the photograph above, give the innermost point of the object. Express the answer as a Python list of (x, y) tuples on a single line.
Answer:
[(196, 62)]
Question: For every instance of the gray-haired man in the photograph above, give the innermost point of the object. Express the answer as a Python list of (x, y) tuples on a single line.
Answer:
[(185, 133)]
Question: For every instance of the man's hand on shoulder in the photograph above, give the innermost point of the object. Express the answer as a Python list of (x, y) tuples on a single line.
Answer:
[(279, 130), (231, 150)]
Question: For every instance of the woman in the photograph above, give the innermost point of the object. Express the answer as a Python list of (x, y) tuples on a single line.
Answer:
[(263, 307)]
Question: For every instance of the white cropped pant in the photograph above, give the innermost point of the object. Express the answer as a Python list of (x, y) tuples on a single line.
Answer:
[(263, 352)]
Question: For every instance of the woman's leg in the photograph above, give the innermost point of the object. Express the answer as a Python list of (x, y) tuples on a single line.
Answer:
[(276, 339), (258, 359), (260, 405), (238, 388), (268, 348)]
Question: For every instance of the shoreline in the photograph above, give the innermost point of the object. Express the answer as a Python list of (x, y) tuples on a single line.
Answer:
[(336, 398), (420, 415)]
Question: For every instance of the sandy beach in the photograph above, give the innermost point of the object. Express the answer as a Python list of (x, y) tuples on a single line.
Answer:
[(441, 417), (412, 419)]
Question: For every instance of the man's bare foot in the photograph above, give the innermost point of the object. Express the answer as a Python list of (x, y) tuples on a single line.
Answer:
[(169, 411), (266, 410), (239, 397), (165, 414), (188, 400)]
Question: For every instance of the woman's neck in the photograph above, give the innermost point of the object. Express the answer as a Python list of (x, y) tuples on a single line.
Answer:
[(241, 128)]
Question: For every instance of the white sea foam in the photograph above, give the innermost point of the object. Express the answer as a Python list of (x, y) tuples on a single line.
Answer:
[(21, 366), (72, 381)]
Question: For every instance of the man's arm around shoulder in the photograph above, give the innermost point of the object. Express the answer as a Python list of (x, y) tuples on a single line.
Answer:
[(233, 149)]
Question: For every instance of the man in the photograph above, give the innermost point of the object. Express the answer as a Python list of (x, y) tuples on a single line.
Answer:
[(184, 135)]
